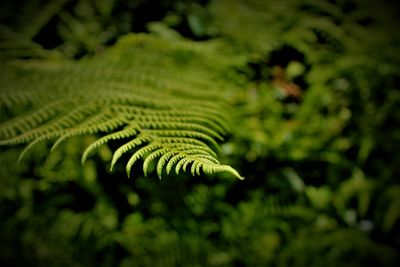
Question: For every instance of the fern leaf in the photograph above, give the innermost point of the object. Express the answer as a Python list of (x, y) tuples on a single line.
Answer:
[(162, 108)]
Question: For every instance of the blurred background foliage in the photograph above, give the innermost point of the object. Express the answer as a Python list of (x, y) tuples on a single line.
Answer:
[(316, 137)]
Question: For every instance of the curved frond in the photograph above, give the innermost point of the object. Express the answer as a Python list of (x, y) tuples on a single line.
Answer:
[(161, 108)]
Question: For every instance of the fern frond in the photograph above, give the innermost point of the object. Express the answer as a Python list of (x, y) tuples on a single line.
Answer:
[(166, 106)]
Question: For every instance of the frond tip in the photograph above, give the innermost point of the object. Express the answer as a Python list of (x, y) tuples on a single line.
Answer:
[(136, 95)]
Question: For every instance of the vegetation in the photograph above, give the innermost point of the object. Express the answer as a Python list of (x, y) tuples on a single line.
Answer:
[(300, 98)]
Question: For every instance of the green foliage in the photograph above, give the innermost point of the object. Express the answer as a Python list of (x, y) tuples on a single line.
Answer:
[(23, 25), (305, 94), (78, 28)]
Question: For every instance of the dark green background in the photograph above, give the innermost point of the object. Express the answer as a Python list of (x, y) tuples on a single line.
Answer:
[(322, 171)]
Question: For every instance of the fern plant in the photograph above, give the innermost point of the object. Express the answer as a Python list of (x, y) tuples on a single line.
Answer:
[(157, 96)]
